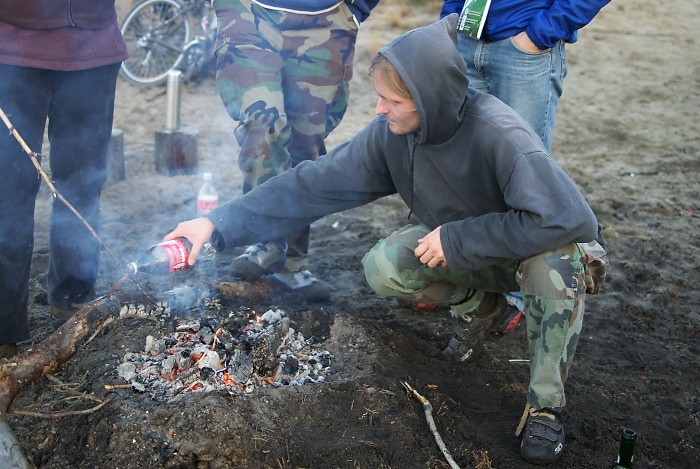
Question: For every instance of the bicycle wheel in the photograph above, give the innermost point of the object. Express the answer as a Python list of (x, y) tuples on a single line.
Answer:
[(156, 32)]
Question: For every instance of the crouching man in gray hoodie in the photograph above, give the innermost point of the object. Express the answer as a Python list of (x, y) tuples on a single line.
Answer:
[(495, 212)]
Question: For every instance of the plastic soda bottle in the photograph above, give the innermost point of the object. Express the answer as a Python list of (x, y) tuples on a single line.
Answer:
[(163, 258), (207, 197)]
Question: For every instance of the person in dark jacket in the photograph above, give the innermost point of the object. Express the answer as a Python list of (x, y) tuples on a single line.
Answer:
[(59, 61), (494, 213), (520, 56), (284, 71)]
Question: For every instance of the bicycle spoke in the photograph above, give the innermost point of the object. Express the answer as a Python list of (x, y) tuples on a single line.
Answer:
[(156, 32)]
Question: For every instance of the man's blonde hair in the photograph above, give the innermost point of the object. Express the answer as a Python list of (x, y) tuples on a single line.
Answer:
[(381, 69)]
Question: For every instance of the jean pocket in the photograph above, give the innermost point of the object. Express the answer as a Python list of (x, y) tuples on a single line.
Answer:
[(527, 52)]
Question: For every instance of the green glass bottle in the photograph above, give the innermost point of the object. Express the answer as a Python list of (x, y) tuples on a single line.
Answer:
[(625, 457)]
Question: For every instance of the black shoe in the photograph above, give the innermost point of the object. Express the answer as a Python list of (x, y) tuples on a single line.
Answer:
[(471, 330), (63, 314), (8, 350), (543, 437), (60, 316)]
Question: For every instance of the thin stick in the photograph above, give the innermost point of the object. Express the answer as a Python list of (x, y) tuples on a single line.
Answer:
[(55, 415), (68, 389), (428, 410), (34, 157), (117, 386)]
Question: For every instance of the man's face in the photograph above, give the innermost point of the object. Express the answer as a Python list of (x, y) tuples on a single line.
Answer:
[(400, 112)]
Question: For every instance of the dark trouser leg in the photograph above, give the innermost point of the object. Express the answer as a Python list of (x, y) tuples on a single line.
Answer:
[(79, 134), (24, 97)]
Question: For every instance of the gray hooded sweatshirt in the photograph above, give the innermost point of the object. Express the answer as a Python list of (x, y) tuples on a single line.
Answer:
[(475, 168)]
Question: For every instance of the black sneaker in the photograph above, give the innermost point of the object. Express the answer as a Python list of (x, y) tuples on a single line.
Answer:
[(471, 330), (63, 314), (8, 350), (543, 437)]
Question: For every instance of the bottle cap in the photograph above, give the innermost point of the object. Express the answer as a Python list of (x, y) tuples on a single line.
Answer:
[(207, 176)]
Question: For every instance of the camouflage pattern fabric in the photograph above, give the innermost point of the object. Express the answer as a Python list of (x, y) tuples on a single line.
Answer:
[(284, 77), (553, 285)]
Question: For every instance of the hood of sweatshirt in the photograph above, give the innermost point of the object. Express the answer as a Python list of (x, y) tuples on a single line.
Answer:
[(416, 55)]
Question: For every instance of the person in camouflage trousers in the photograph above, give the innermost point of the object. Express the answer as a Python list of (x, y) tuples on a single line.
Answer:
[(284, 76), (493, 213), (553, 284)]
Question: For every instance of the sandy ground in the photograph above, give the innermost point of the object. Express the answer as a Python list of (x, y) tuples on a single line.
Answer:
[(626, 131)]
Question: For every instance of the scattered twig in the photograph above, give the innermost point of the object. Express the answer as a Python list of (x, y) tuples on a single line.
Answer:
[(68, 388), (428, 409), (109, 387), (56, 415)]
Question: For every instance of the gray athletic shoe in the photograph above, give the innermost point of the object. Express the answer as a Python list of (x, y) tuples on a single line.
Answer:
[(304, 283), (259, 260), (471, 330)]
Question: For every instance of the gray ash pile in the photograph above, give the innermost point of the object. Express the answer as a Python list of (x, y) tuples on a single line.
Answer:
[(235, 355)]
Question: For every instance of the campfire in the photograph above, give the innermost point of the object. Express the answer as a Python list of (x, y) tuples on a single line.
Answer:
[(235, 355)]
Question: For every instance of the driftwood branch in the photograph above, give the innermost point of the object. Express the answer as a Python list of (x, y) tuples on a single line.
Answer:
[(428, 410)]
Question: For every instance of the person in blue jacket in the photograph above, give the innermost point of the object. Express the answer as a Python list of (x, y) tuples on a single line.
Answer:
[(493, 213), (520, 57), (283, 73)]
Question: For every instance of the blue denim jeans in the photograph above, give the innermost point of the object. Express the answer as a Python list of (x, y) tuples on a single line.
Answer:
[(529, 83)]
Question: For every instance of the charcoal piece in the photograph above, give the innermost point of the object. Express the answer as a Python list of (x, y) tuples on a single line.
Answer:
[(240, 365), (266, 346), (291, 366), (325, 359)]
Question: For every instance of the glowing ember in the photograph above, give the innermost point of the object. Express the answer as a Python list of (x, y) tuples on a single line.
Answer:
[(243, 352)]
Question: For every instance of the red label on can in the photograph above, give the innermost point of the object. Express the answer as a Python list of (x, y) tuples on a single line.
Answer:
[(177, 253)]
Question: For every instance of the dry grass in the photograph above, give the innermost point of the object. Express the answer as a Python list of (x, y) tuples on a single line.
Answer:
[(481, 459)]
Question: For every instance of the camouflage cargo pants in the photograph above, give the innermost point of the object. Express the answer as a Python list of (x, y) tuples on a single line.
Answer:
[(553, 284), (284, 77)]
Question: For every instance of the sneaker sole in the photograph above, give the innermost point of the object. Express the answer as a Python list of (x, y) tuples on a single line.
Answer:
[(247, 270)]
